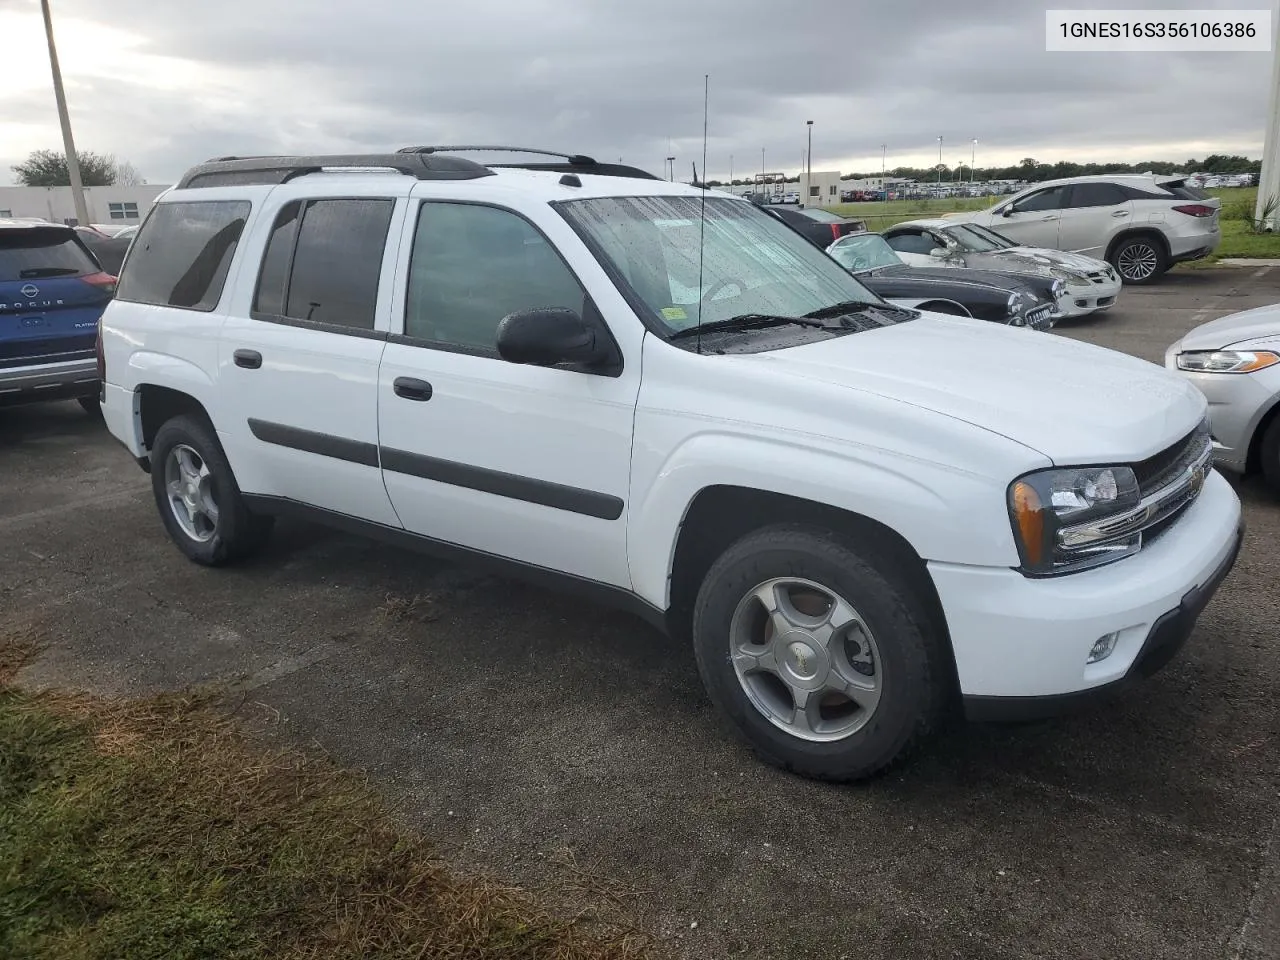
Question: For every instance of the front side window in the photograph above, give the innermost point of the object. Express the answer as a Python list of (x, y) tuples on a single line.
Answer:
[(323, 260), (687, 270), (864, 251), (913, 241), (182, 254), (1050, 199), (471, 265)]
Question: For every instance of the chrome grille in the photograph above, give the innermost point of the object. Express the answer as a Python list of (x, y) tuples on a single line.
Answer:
[(1159, 471)]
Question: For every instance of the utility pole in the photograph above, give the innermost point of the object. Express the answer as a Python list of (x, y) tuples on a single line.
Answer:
[(939, 161), (1269, 176), (973, 156), (68, 144), (671, 168), (808, 179), (731, 169)]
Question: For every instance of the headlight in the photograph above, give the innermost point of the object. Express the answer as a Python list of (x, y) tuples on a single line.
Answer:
[(1227, 361), (1058, 517), (1059, 289), (1014, 304)]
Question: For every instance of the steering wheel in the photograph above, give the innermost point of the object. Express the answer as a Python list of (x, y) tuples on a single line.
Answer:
[(730, 282), (856, 262)]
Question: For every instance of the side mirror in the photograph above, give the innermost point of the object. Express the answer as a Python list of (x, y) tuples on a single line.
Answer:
[(940, 253), (545, 336), (1007, 211)]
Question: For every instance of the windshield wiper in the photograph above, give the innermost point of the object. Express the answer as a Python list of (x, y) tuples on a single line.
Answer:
[(843, 308), (747, 321), (35, 273)]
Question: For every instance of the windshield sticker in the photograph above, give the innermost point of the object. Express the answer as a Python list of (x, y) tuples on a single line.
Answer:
[(674, 313)]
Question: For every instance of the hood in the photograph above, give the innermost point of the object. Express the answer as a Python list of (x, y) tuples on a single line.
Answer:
[(1034, 258), (1072, 402), (950, 277), (1235, 328)]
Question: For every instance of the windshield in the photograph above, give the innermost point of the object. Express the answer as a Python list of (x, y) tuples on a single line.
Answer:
[(750, 262), (822, 216), (864, 251), (972, 241), (997, 241)]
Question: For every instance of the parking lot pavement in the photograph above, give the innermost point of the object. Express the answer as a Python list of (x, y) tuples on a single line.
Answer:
[(513, 723)]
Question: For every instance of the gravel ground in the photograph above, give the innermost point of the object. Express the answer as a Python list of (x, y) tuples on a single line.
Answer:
[(528, 731)]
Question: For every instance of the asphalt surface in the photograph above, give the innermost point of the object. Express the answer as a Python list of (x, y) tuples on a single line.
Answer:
[(527, 730)]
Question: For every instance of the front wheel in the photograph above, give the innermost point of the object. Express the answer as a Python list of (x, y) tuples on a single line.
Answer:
[(199, 500), (1139, 260), (1269, 452), (819, 656)]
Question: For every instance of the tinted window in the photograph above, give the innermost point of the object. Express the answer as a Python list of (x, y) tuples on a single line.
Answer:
[(1050, 199), (473, 265), (913, 242), (1097, 195), (182, 253), (28, 254), (337, 261), (272, 279)]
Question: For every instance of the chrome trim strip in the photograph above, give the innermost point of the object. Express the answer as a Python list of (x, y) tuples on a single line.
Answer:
[(1153, 508)]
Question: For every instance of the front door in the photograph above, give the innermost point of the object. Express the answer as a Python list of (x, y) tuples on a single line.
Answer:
[(1033, 220), (299, 360), (528, 463)]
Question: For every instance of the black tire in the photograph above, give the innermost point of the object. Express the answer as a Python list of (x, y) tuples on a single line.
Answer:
[(914, 662), (1144, 249), (238, 532), (1269, 455), (91, 406)]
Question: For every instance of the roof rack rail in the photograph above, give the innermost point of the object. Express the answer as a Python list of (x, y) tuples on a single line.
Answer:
[(235, 171), (573, 162), (575, 158)]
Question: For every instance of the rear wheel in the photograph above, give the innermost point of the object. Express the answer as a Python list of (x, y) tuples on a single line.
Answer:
[(817, 654), (1139, 259), (199, 500)]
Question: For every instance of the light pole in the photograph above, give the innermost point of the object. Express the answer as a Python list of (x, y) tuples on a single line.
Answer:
[(68, 144), (973, 156), (671, 166), (808, 179), (731, 169), (1269, 175), (939, 161), (883, 186)]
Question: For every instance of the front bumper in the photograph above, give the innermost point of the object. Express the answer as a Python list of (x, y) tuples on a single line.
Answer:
[(1237, 404), (1086, 298), (49, 381), (1026, 642)]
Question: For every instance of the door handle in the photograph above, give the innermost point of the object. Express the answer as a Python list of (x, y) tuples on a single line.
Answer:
[(249, 359), (1120, 213), (411, 388), (1047, 219)]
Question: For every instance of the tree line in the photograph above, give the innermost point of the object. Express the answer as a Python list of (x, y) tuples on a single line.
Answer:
[(48, 168), (1033, 171)]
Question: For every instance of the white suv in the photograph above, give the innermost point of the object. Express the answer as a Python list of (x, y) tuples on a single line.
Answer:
[(1142, 225), (852, 510)]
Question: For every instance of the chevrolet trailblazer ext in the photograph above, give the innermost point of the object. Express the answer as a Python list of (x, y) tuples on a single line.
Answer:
[(854, 511)]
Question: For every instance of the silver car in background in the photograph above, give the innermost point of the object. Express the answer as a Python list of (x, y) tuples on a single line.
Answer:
[(1235, 361)]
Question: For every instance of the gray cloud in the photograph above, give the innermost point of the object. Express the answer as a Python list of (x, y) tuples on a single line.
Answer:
[(624, 79)]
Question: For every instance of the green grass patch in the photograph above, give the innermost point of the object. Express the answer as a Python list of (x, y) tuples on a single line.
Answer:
[(1238, 240), (157, 830)]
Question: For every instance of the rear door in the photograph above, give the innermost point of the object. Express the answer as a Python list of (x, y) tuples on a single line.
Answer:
[(299, 353), (1033, 220), (52, 293), (1093, 214)]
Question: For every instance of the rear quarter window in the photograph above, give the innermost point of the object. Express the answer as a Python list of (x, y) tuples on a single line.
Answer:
[(182, 254), (30, 254)]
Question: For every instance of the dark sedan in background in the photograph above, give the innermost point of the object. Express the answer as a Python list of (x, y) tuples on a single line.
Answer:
[(1015, 299), (819, 227)]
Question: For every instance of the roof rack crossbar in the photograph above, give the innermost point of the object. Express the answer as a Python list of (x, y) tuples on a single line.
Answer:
[(576, 159), (226, 171)]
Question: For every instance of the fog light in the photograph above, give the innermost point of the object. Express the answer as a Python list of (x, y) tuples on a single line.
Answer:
[(1103, 647)]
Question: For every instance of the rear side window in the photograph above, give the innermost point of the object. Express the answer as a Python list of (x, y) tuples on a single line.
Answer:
[(182, 254), (1187, 192), (1097, 195), (30, 254), (323, 261)]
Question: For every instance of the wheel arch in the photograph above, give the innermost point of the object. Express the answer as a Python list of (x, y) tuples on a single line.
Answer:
[(155, 404), (1253, 459)]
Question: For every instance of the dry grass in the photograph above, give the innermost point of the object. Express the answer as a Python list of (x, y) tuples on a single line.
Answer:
[(157, 829)]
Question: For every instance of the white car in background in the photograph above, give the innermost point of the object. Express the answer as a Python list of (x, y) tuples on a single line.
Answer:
[(1141, 224), (1092, 284)]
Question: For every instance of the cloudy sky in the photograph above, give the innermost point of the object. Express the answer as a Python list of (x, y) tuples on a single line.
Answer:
[(166, 85)]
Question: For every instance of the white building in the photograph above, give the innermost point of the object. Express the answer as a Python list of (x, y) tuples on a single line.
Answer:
[(106, 204)]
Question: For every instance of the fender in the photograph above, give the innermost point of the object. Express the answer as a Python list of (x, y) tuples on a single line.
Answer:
[(147, 368), (901, 492)]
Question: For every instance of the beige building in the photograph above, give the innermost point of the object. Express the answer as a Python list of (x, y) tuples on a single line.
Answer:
[(822, 191), (120, 205)]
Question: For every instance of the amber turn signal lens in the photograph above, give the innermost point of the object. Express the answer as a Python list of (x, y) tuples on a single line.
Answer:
[(1029, 512)]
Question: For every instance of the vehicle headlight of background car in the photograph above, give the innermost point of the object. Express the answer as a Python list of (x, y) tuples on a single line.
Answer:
[(1068, 519), (1227, 361)]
